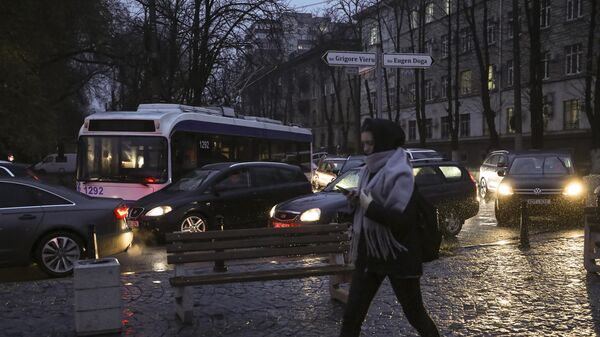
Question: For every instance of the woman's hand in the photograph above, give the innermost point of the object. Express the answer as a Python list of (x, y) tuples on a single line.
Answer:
[(365, 199)]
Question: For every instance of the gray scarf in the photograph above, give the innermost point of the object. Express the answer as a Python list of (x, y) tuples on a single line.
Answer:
[(391, 186)]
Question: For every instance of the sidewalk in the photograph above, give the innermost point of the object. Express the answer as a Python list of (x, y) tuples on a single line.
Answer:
[(481, 291)]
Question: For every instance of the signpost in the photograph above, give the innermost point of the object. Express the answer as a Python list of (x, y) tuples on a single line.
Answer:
[(349, 58), (417, 61), (378, 60)]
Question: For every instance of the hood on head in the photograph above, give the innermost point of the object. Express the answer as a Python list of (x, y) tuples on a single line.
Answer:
[(387, 135)]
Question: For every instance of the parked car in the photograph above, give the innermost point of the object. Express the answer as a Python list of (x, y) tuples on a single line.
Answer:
[(49, 225), (448, 185), (231, 195), (489, 180), (546, 182), (416, 155), (14, 170), (327, 170), (55, 164)]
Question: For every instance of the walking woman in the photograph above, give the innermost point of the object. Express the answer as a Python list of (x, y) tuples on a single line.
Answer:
[(385, 239)]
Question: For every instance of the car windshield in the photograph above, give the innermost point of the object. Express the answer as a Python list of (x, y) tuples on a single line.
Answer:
[(541, 165), (352, 163), (348, 181), (192, 180)]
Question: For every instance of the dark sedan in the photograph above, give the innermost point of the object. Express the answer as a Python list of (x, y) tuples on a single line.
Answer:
[(219, 196), (546, 182), (448, 185), (49, 225), (14, 170)]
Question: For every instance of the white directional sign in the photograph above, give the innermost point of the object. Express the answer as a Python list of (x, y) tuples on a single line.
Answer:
[(407, 60), (349, 58)]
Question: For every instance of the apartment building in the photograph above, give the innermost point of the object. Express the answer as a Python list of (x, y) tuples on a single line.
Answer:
[(432, 30)]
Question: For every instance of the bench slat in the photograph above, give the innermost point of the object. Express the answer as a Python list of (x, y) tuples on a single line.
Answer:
[(257, 242), (255, 232), (257, 253), (263, 275)]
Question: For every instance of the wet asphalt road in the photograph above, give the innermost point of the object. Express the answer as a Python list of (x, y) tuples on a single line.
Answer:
[(478, 231)]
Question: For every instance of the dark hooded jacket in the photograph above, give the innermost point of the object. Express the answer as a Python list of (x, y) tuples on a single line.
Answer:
[(389, 136)]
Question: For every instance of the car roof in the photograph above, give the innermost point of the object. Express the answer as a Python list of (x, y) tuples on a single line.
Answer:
[(226, 165), (435, 163), (416, 149)]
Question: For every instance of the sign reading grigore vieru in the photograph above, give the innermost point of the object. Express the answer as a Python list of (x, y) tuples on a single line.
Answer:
[(407, 60), (349, 58)]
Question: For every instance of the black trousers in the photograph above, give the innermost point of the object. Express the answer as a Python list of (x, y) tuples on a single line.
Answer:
[(408, 292)]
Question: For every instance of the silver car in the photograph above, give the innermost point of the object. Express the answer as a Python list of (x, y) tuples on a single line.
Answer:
[(49, 225)]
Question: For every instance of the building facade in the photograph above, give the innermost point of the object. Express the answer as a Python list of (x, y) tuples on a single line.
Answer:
[(405, 27)]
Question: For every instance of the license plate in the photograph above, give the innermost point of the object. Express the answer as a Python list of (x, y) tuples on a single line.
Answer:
[(538, 201), (133, 223)]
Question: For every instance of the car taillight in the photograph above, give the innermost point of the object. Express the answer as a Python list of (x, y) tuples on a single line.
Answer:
[(150, 180), (121, 212), (472, 178), (285, 225)]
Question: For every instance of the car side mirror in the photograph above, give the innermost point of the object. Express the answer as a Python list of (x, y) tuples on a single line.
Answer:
[(501, 173)]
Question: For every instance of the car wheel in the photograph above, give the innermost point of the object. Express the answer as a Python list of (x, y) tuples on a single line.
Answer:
[(503, 218), (57, 253), (194, 223), (484, 192), (452, 223)]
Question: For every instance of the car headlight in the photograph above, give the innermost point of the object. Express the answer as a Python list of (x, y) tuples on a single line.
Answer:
[(313, 214), (160, 210), (272, 211), (573, 189), (505, 189)]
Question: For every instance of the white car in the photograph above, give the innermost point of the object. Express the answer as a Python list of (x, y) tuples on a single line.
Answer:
[(327, 171), (489, 180)]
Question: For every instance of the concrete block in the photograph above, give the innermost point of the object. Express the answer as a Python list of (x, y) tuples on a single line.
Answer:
[(97, 298), (96, 273), (96, 322)]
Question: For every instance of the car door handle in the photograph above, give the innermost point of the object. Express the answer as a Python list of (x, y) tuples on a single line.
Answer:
[(27, 217)]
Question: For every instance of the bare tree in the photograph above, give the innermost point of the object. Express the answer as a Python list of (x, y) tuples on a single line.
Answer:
[(483, 60), (518, 114), (533, 13)]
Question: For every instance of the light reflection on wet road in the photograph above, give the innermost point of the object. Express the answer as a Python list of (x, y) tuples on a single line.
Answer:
[(479, 230)]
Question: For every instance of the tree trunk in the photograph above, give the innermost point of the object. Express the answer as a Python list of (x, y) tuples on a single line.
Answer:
[(535, 78), (518, 113)]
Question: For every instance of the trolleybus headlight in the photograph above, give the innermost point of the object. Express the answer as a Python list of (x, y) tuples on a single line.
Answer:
[(160, 210)]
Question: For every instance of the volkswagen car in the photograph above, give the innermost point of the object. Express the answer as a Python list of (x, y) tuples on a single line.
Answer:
[(546, 182), (219, 197)]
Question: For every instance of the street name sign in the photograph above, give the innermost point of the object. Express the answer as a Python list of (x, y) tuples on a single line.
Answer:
[(349, 58), (407, 60)]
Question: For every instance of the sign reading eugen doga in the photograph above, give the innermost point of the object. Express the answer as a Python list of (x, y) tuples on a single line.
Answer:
[(407, 60), (336, 58)]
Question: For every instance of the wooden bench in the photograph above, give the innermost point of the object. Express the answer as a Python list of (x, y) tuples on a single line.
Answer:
[(591, 239), (245, 244)]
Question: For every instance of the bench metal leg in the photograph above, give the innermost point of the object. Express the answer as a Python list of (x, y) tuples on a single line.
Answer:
[(184, 301), (591, 251), (336, 292)]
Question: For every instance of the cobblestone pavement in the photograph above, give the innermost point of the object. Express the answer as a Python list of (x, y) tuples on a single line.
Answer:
[(481, 291)]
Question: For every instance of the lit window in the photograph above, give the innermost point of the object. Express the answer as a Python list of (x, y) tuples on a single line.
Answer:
[(491, 77), (571, 108)]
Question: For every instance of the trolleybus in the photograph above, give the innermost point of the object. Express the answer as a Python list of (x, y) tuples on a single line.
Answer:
[(129, 154)]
